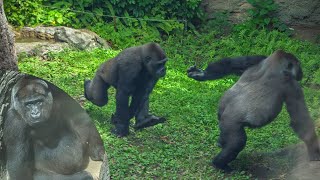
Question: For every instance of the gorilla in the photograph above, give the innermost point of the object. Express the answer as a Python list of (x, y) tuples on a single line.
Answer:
[(47, 135), (134, 72), (256, 99)]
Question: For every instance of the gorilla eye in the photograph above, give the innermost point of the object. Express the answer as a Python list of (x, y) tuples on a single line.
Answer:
[(290, 65)]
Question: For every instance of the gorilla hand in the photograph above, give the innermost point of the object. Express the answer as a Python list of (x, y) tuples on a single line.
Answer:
[(195, 73)]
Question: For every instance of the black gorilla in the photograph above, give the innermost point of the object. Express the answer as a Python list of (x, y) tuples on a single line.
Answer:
[(256, 100), (134, 72), (47, 135)]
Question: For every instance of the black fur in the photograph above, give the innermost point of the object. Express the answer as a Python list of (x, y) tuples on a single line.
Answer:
[(134, 73), (224, 67)]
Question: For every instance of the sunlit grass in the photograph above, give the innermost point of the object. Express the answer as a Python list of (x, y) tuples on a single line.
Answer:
[(181, 148)]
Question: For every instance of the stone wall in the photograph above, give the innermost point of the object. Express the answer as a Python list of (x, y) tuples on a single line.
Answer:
[(293, 12)]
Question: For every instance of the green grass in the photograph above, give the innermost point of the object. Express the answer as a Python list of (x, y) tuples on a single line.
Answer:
[(182, 148)]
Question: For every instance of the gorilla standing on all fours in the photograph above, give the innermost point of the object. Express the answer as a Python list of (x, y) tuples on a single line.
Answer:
[(256, 100), (134, 72), (47, 135)]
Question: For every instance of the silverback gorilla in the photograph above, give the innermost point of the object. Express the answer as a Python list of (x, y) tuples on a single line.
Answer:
[(256, 100), (47, 134), (134, 72)]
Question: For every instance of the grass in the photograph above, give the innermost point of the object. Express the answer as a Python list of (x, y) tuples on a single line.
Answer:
[(182, 148)]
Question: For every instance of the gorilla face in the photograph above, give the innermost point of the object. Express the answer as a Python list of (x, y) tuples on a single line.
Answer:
[(289, 65), (156, 66), (160, 68), (33, 102), (154, 59)]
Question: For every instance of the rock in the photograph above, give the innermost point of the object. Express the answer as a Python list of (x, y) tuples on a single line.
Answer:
[(41, 48), (41, 40), (79, 39)]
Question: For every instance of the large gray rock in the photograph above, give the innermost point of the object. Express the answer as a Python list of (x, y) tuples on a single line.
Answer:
[(39, 48), (79, 39), (40, 41)]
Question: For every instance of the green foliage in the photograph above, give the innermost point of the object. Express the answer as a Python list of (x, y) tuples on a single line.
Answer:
[(23, 12), (125, 37), (140, 19), (26, 13), (163, 9), (263, 15), (182, 148), (219, 23)]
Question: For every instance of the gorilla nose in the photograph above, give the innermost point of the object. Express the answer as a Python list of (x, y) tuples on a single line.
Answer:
[(35, 114)]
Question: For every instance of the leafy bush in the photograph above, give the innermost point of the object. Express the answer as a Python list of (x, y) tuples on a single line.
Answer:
[(29, 13), (263, 15), (163, 9)]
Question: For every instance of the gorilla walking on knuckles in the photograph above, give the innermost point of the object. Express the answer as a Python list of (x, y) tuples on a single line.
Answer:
[(256, 99), (47, 135), (134, 72)]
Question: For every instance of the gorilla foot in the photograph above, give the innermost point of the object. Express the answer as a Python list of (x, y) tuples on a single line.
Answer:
[(224, 167), (149, 121), (120, 130), (119, 133)]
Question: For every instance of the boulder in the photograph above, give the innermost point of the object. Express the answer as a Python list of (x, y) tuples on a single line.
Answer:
[(79, 39), (39, 41)]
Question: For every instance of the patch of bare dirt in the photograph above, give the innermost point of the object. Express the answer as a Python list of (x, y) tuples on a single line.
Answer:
[(288, 163)]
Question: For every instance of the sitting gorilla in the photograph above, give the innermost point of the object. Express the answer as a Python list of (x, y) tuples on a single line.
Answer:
[(256, 100), (133, 72), (47, 135)]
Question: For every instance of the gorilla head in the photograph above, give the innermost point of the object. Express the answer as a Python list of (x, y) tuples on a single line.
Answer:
[(32, 100), (287, 64), (154, 59)]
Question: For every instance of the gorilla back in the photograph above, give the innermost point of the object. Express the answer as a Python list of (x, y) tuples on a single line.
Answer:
[(257, 98), (134, 72)]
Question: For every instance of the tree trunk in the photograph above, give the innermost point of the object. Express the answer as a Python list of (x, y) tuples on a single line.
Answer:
[(8, 57), (7, 81)]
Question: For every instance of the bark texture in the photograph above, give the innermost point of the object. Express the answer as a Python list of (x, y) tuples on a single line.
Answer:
[(8, 58), (7, 81)]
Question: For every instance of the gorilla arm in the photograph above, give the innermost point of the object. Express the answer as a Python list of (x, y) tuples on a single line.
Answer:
[(301, 121), (224, 67), (19, 157), (85, 128)]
